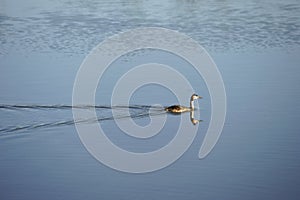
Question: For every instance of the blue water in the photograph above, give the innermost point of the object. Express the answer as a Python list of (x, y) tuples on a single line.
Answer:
[(256, 46)]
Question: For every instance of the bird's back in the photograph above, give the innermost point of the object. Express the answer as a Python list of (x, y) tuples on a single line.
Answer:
[(177, 109)]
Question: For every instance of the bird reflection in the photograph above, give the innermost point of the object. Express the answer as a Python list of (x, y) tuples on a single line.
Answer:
[(193, 120)]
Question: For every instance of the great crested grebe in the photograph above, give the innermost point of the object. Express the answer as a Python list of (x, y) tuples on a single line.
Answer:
[(180, 109)]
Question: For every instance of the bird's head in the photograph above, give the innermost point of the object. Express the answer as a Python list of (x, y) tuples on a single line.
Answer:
[(195, 96)]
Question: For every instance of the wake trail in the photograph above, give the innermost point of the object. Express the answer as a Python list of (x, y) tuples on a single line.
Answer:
[(132, 111)]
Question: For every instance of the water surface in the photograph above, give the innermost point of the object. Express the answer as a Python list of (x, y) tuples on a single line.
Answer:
[(255, 45)]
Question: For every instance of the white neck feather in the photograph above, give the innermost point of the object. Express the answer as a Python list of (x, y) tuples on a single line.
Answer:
[(192, 104)]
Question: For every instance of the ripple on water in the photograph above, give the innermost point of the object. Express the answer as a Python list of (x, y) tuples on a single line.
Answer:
[(39, 116), (77, 27)]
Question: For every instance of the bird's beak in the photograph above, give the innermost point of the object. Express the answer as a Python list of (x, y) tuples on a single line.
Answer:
[(199, 97)]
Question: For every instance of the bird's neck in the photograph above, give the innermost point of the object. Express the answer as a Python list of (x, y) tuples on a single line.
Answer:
[(192, 104)]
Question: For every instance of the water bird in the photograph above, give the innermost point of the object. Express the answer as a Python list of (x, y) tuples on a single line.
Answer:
[(176, 109)]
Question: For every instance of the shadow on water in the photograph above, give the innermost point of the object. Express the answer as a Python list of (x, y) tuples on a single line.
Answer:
[(136, 111)]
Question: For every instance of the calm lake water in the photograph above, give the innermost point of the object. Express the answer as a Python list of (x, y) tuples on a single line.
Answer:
[(256, 46)]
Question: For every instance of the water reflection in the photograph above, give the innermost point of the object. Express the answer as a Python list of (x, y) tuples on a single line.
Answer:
[(193, 120)]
